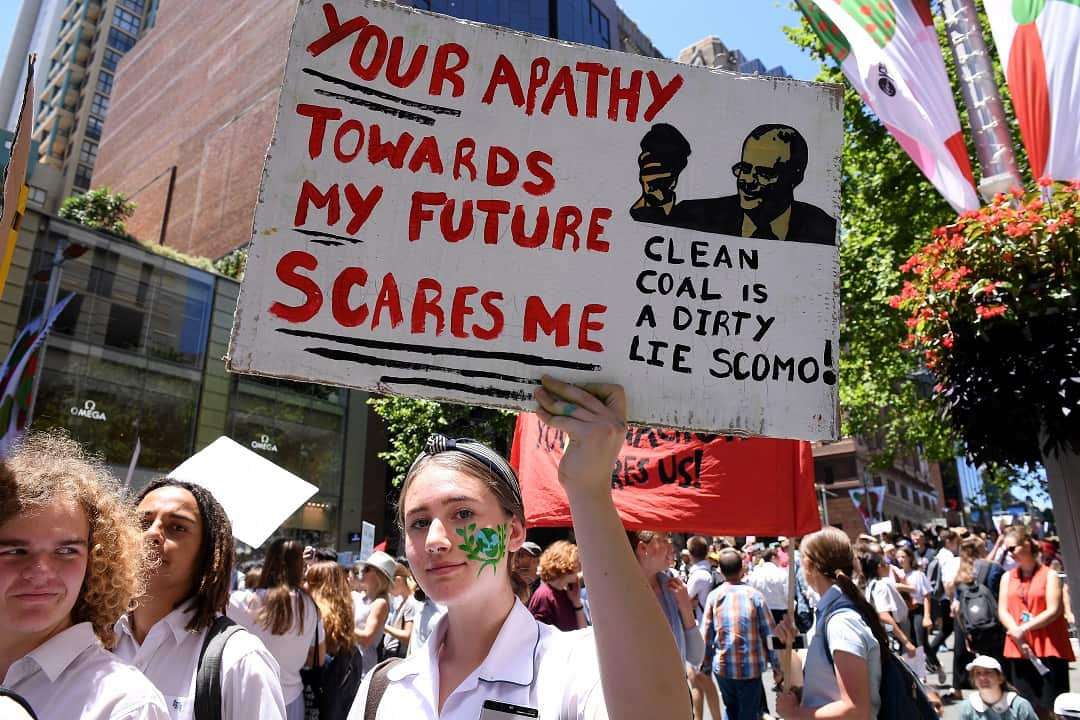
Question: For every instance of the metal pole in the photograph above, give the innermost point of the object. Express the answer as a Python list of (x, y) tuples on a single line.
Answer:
[(989, 128), (51, 294)]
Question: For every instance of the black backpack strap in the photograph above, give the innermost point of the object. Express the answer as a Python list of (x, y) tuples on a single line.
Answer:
[(380, 680), (208, 676), (18, 700)]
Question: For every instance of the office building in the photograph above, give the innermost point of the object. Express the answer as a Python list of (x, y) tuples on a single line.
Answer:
[(78, 74), (712, 52)]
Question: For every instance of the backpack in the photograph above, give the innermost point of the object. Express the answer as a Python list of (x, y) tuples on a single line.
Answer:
[(341, 679), (208, 676), (978, 616), (903, 696)]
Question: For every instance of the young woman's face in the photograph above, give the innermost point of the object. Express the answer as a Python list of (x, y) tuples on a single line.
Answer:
[(42, 566), (986, 679), (172, 527), (656, 556), (439, 507)]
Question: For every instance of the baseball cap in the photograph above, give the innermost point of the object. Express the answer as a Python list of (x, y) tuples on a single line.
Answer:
[(531, 548), (984, 661)]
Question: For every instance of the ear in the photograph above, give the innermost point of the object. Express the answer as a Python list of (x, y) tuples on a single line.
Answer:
[(515, 537)]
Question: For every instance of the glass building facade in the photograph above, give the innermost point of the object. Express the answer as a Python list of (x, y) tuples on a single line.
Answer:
[(135, 359)]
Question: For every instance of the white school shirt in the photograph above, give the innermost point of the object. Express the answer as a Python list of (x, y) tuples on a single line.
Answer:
[(530, 664), (169, 657), (772, 581), (289, 649), (71, 675)]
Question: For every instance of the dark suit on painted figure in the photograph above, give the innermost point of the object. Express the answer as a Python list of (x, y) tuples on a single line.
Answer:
[(773, 164)]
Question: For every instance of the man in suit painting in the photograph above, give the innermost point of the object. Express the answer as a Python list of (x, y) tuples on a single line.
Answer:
[(773, 163), (664, 153)]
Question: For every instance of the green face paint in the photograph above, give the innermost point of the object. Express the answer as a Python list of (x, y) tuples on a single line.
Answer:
[(486, 545)]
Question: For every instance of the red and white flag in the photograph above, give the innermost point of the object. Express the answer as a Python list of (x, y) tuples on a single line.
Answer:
[(889, 52), (1039, 46)]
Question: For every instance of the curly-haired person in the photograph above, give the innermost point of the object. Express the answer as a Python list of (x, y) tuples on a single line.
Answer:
[(71, 562), (190, 539), (557, 600)]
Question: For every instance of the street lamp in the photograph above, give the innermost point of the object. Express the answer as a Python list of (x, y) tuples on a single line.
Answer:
[(65, 250)]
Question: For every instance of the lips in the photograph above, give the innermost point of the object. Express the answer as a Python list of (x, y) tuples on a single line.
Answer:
[(37, 596), (444, 569)]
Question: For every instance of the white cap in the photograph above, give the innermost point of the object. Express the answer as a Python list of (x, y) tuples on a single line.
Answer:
[(1067, 705), (984, 661)]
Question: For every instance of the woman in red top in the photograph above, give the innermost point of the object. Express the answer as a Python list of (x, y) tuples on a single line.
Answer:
[(1030, 608)]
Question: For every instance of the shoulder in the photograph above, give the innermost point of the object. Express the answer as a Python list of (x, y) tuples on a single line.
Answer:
[(1022, 708), (812, 224), (847, 631), (246, 654), (112, 681)]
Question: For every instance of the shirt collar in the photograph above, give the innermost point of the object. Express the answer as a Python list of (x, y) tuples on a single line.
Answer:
[(176, 621), (999, 707), (511, 658), (55, 654), (703, 564)]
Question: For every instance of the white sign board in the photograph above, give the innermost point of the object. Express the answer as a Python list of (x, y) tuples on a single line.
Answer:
[(367, 540), (451, 210), (881, 528), (258, 496)]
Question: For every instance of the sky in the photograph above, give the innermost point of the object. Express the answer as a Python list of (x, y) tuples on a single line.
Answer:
[(753, 26)]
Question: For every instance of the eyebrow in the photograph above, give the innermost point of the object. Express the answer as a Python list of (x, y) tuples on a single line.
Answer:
[(19, 542), (179, 515), (448, 501)]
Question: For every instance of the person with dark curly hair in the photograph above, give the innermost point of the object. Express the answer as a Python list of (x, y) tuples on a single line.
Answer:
[(71, 561), (190, 540)]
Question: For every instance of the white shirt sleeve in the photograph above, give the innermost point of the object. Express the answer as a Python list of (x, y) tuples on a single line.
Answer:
[(847, 632), (882, 598), (250, 684)]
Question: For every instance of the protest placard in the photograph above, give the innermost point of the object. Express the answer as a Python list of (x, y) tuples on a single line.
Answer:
[(450, 210)]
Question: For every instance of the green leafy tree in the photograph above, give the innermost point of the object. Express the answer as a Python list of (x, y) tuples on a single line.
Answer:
[(409, 422), (889, 210), (100, 209)]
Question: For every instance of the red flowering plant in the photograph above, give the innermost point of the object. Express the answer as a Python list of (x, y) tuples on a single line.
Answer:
[(992, 308)]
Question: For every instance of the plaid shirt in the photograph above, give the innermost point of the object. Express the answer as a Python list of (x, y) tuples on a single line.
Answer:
[(742, 624)]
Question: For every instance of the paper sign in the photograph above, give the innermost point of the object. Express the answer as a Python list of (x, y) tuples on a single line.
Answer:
[(881, 528), (450, 210), (367, 540), (258, 496)]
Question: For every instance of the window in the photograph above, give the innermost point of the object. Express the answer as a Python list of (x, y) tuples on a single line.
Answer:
[(126, 21), (100, 105), (121, 41), (892, 487), (82, 176), (109, 60), (93, 127), (36, 195), (600, 24), (136, 6), (88, 153), (904, 492), (105, 82)]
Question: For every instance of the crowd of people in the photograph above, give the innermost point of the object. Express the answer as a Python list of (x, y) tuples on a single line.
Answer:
[(130, 607)]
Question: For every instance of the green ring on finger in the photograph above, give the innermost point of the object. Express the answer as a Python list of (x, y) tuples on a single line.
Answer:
[(569, 409)]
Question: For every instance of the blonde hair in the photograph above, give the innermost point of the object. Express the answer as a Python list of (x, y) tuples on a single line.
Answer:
[(42, 468), (559, 559), (328, 584)]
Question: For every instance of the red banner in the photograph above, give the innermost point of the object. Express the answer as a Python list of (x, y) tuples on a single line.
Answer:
[(680, 481)]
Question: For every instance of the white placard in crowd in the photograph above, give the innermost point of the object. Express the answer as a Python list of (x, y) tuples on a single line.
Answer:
[(881, 528), (451, 210), (367, 540), (258, 496)]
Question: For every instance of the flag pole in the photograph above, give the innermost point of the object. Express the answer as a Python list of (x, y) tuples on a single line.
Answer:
[(989, 128)]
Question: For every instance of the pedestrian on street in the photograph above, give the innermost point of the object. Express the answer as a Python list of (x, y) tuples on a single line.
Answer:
[(739, 616), (461, 514), (848, 683), (71, 561), (772, 581), (1030, 608), (994, 698), (557, 601), (701, 580)]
